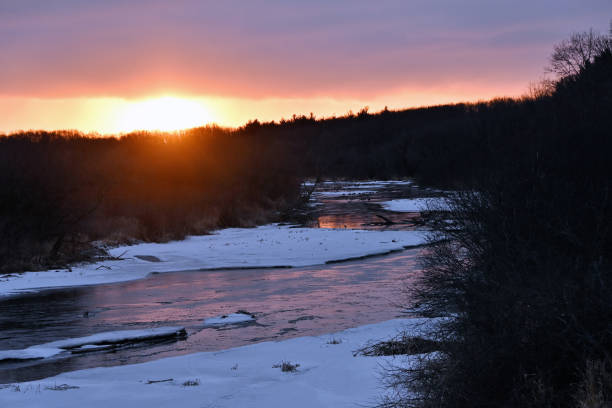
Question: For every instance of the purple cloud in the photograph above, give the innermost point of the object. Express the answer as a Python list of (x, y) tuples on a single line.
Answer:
[(259, 49)]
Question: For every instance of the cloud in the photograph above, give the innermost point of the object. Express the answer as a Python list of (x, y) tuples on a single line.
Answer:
[(283, 49)]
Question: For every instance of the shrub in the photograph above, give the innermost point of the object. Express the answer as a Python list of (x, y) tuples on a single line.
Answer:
[(286, 367), (525, 269), (400, 345)]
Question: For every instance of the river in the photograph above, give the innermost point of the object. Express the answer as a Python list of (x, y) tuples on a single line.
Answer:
[(287, 302)]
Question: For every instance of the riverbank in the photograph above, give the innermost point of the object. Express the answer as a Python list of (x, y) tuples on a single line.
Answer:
[(267, 246), (325, 373)]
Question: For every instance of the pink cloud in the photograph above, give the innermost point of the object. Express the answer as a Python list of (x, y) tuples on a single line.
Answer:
[(278, 49)]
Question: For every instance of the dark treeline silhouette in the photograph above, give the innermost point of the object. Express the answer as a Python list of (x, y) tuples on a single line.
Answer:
[(436, 145), (525, 267), (62, 190)]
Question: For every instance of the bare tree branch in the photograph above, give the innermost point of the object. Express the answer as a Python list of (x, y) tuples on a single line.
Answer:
[(572, 55)]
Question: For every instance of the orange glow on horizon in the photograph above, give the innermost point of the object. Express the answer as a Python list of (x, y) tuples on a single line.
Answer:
[(184, 64), (170, 112)]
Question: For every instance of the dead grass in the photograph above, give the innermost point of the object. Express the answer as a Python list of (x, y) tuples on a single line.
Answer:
[(62, 387), (159, 381), (286, 367), (595, 389), (401, 345)]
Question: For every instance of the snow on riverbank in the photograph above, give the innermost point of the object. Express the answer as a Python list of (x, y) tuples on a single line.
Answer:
[(265, 246), (81, 344), (415, 204), (328, 376)]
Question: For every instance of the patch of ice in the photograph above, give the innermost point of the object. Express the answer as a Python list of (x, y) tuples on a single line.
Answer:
[(92, 347), (232, 318), (30, 353), (415, 204), (343, 193), (369, 182), (51, 349)]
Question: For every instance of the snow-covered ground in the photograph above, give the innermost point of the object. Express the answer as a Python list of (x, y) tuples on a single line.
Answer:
[(265, 246), (89, 343), (415, 204), (328, 375)]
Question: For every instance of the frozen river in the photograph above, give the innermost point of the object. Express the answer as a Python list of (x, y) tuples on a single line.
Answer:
[(287, 302)]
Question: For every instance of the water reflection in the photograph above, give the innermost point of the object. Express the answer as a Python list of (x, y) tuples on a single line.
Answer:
[(373, 221), (364, 211)]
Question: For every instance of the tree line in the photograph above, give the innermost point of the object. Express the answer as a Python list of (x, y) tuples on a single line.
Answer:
[(525, 265)]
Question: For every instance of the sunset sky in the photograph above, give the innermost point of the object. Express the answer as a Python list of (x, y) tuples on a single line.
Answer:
[(113, 66)]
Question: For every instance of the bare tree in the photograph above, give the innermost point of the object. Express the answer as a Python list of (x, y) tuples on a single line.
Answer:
[(572, 55)]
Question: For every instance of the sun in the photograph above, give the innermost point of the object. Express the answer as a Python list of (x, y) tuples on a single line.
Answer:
[(164, 113)]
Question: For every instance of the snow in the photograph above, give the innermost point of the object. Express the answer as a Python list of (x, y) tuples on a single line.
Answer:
[(264, 246), (92, 347), (343, 193), (373, 183), (90, 342), (328, 376), (415, 204), (370, 184), (29, 353), (232, 318)]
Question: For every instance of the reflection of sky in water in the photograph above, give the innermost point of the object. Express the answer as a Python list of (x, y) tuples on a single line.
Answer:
[(342, 208), (365, 221), (339, 221)]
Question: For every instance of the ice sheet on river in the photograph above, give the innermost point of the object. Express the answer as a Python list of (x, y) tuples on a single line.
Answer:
[(265, 246), (368, 183), (415, 204), (233, 318), (89, 343), (342, 193)]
